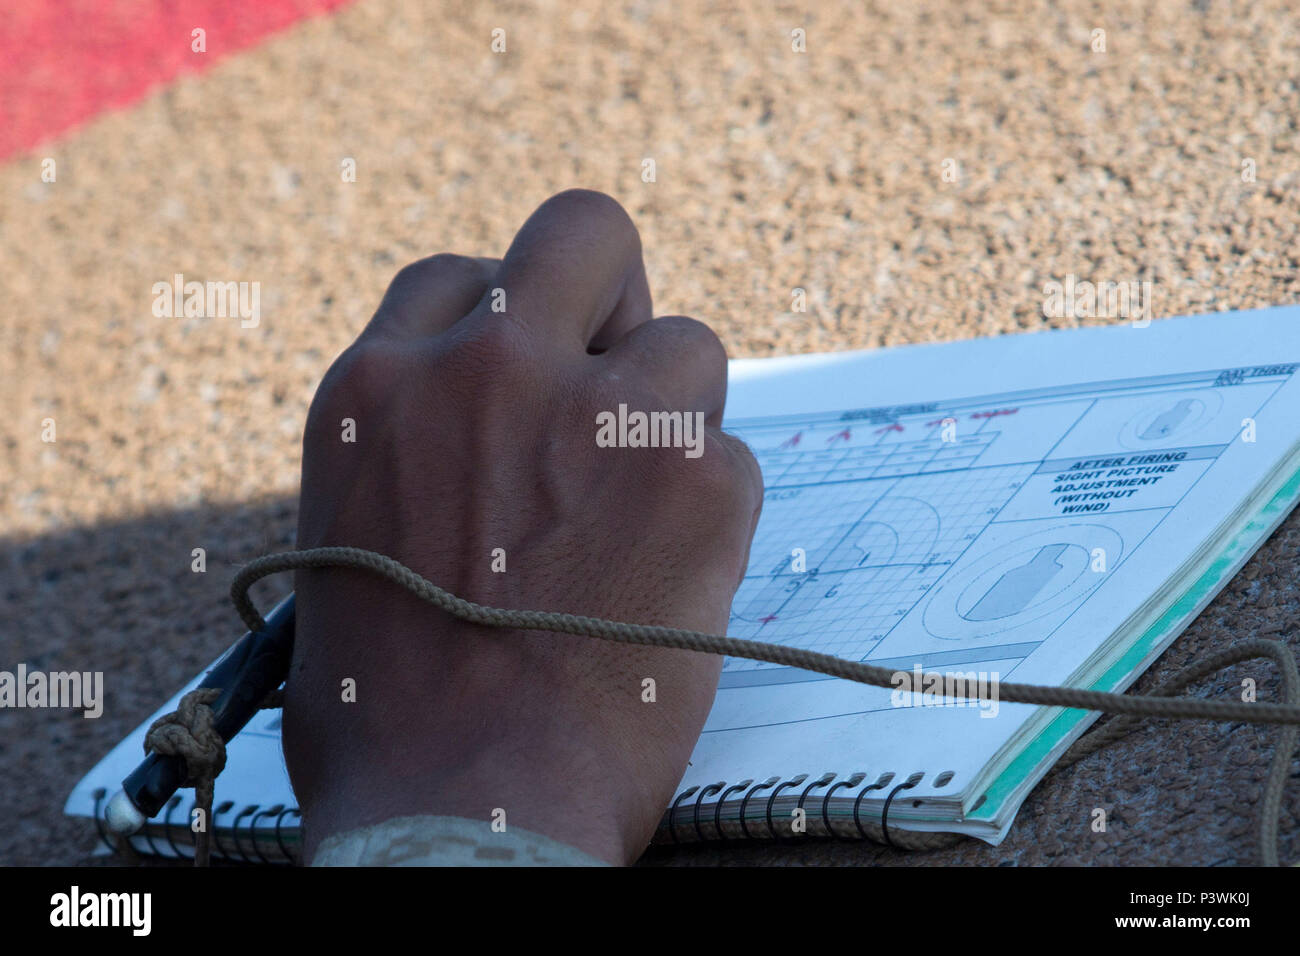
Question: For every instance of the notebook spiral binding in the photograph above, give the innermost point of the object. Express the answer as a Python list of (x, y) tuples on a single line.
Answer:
[(228, 838), (689, 817)]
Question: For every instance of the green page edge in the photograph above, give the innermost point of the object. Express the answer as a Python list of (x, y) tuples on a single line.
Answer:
[(1215, 577)]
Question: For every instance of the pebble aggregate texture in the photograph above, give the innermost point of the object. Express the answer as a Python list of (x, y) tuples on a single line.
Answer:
[(821, 170)]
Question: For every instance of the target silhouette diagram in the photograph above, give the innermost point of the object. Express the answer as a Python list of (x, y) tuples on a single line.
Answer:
[(1171, 419), (1021, 582)]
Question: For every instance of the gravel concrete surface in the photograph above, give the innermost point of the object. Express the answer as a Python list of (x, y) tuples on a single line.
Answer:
[(821, 170)]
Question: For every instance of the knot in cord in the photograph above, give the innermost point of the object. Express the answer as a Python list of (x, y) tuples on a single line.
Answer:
[(188, 732)]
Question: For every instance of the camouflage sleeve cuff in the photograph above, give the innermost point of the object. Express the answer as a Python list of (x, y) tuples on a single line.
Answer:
[(445, 841)]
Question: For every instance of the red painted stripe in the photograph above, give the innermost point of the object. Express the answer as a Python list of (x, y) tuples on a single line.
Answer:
[(63, 61)]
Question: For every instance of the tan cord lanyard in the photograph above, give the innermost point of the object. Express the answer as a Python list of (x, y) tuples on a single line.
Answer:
[(1159, 704)]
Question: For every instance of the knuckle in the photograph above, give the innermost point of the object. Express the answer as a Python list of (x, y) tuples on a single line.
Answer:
[(495, 345), (712, 490), (370, 370), (406, 279), (688, 336), (716, 472), (359, 378), (697, 334), (687, 328), (435, 268), (735, 475)]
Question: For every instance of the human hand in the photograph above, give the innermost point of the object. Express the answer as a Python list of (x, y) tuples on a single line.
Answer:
[(476, 430)]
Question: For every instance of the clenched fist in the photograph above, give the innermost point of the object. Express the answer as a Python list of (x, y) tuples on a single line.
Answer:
[(488, 451)]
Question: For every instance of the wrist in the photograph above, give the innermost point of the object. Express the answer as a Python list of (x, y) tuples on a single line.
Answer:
[(473, 727)]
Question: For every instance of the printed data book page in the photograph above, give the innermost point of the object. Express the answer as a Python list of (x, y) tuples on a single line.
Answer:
[(1049, 508)]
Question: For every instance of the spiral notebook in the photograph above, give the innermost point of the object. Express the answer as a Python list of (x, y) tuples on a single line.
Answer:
[(1050, 508)]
